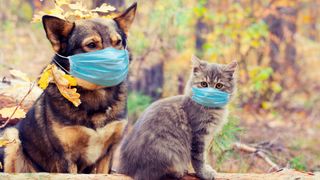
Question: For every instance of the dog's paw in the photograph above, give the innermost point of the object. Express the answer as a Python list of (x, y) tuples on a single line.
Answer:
[(207, 173)]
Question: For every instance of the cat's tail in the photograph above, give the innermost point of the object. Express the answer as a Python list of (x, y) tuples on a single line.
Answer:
[(138, 170), (141, 171), (148, 174)]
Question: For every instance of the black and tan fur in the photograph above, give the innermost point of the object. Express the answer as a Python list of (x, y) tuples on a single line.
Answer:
[(56, 136), (176, 131)]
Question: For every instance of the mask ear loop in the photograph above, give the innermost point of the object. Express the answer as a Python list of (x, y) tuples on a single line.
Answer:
[(126, 49), (56, 62)]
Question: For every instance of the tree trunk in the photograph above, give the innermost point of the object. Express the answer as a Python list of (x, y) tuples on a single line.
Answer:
[(147, 75), (274, 22), (290, 28), (282, 26), (201, 29), (314, 11)]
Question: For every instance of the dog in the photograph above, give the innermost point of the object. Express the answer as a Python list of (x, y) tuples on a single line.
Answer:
[(58, 137)]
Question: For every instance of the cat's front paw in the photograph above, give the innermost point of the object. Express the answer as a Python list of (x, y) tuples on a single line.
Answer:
[(207, 173)]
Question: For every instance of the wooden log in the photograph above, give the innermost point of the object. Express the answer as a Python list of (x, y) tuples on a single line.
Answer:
[(283, 174)]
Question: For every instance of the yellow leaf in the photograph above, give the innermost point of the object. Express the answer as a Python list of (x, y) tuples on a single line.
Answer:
[(266, 105), (104, 8), (77, 6), (58, 76), (36, 18), (64, 82), (45, 77), (70, 94), (20, 75), (7, 113), (72, 81), (4, 142), (62, 2)]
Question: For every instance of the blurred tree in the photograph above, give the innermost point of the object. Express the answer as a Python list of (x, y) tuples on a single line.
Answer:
[(201, 28), (290, 28), (273, 20), (314, 14), (281, 19)]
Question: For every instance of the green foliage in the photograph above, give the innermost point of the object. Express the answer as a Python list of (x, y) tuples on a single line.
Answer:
[(261, 85), (258, 78), (25, 11), (14, 10), (169, 21), (234, 28), (223, 141), (298, 163), (137, 103)]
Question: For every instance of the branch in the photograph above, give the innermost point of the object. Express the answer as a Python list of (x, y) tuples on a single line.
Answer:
[(259, 153), (19, 105)]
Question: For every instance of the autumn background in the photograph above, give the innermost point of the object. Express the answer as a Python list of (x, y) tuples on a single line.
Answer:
[(276, 43)]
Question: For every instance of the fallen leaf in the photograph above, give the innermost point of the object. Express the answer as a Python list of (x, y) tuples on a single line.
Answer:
[(20, 75), (77, 6), (104, 8), (64, 82), (62, 2), (70, 94), (7, 113), (72, 81), (4, 142), (45, 77)]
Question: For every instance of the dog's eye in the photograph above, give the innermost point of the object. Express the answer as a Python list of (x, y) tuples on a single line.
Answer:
[(219, 85), (204, 84), (92, 45)]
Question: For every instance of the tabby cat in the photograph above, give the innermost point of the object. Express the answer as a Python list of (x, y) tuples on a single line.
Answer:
[(175, 131)]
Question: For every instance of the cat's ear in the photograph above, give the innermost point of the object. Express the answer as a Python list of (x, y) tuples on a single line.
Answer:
[(231, 68), (197, 64)]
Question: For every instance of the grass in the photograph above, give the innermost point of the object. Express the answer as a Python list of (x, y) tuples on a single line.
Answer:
[(298, 163)]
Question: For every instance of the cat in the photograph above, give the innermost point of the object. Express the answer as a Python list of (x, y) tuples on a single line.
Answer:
[(175, 131)]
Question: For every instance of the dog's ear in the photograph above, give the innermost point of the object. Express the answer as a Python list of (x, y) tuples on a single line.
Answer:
[(57, 31), (126, 18)]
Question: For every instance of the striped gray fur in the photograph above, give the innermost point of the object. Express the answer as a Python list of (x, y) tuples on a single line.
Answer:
[(175, 131)]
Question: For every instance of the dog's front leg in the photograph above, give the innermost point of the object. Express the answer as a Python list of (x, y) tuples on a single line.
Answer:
[(111, 142), (104, 164), (73, 169)]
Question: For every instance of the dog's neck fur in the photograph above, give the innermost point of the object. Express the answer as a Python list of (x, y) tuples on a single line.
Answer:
[(109, 103)]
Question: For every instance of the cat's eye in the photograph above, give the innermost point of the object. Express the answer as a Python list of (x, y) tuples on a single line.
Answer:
[(92, 45), (219, 85), (204, 84), (118, 42)]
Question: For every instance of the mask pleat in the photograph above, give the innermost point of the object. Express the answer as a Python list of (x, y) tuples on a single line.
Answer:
[(107, 67)]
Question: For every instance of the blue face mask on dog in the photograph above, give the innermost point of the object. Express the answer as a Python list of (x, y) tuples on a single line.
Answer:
[(210, 97), (106, 67)]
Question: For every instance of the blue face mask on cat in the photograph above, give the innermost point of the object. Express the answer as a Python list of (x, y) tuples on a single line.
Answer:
[(210, 97), (106, 67)]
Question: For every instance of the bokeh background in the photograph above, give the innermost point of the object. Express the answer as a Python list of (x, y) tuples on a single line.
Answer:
[(276, 43)]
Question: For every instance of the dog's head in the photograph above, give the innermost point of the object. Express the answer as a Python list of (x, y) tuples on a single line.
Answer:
[(69, 38)]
